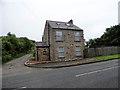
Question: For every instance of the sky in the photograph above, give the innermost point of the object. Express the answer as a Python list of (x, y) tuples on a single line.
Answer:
[(26, 18)]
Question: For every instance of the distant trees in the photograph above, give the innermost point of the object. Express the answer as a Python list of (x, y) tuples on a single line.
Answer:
[(111, 37), (13, 46)]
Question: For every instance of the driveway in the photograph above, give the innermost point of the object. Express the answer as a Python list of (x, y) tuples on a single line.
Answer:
[(16, 66)]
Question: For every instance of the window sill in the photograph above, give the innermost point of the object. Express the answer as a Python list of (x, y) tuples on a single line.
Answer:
[(61, 57), (59, 40), (78, 56), (77, 41)]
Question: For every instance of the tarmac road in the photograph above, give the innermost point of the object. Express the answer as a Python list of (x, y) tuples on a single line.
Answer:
[(95, 75)]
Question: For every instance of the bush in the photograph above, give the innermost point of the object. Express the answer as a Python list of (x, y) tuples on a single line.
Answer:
[(32, 58), (6, 58), (13, 46)]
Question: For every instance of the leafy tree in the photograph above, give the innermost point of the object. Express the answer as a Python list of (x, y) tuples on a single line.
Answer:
[(111, 37), (13, 46)]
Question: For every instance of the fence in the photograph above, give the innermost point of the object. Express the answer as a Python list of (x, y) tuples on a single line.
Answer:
[(102, 51)]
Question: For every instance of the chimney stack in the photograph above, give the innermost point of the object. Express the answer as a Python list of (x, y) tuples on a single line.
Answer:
[(71, 21)]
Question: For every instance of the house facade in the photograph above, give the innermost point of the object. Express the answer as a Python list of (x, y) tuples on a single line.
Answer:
[(64, 40)]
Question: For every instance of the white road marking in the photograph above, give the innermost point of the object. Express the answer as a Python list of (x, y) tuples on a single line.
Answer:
[(23, 87), (101, 70), (20, 88)]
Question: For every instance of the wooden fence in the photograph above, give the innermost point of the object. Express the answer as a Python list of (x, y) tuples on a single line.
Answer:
[(102, 51)]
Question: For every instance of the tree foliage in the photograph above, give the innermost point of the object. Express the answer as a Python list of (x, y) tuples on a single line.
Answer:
[(111, 37), (13, 46)]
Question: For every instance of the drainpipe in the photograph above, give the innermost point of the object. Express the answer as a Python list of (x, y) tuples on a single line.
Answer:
[(37, 54)]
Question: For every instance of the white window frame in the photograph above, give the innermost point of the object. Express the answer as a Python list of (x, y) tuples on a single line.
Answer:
[(77, 36), (58, 35), (78, 51), (61, 52)]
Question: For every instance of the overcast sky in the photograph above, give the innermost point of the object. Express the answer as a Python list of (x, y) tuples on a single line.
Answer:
[(26, 18)]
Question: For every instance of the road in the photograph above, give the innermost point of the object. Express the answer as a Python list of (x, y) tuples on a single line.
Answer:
[(95, 75)]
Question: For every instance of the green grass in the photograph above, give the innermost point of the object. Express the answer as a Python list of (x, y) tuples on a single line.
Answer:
[(109, 57)]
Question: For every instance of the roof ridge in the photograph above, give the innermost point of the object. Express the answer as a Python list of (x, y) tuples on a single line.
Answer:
[(55, 21)]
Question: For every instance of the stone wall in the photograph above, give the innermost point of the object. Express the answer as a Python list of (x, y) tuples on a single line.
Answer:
[(43, 54), (67, 42)]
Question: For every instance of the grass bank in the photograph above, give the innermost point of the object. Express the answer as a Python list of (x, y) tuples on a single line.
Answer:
[(108, 57)]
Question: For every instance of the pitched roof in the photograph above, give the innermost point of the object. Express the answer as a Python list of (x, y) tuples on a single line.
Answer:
[(63, 25), (40, 44)]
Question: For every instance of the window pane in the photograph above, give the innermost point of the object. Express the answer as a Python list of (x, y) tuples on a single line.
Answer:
[(58, 35), (77, 38), (61, 51), (58, 38), (77, 33), (77, 51), (61, 54)]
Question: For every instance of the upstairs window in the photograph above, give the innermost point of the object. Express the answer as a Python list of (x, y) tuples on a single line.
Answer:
[(77, 36), (61, 52), (58, 36), (77, 51)]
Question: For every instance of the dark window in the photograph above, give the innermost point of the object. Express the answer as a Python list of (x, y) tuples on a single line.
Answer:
[(44, 52)]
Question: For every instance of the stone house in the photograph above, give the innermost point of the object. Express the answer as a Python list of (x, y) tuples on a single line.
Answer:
[(62, 41), (41, 51)]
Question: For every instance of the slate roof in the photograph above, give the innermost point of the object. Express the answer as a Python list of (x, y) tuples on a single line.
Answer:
[(62, 25), (40, 44)]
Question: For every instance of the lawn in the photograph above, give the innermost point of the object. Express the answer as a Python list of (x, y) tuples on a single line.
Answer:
[(109, 57)]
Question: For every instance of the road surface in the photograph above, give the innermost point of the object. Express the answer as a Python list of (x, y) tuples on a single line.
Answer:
[(95, 75)]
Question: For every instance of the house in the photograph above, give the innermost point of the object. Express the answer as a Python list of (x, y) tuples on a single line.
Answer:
[(61, 41)]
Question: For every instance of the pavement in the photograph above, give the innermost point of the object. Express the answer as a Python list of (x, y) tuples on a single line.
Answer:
[(59, 64), (94, 75)]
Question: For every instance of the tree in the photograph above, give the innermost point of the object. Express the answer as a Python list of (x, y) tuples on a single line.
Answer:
[(13, 46), (111, 37)]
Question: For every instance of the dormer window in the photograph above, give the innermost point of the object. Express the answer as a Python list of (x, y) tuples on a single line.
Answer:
[(58, 23), (68, 24)]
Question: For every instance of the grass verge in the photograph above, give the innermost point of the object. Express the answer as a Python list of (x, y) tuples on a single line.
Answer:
[(108, 57)]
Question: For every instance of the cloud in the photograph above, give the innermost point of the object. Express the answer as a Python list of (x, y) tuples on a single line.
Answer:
[(27, 17)]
